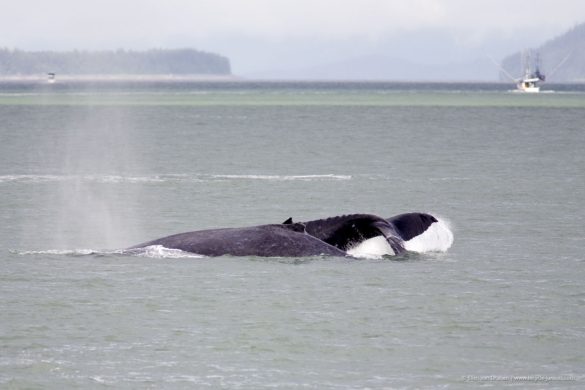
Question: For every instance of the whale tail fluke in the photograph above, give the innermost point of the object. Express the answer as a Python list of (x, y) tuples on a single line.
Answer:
[(411, 225), (422, 232)]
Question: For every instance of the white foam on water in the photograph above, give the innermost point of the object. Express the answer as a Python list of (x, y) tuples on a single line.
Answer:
[(63, 252), (114, 179), (161, 252), (31, 178), (82, 178), (437, 238), (154, 251), (101, 380), (122, 179), (372, 248), (284, 177)]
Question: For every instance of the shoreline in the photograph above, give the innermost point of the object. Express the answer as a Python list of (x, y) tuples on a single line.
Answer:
[(148, 78), (119, 78)]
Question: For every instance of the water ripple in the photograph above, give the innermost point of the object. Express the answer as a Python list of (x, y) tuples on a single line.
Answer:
[(165, 178)]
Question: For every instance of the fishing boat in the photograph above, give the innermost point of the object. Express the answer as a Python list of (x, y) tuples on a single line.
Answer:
[(51, 78), (532, 76), (529, 83)]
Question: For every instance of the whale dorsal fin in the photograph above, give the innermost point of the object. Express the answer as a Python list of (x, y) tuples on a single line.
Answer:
[(288, 221)]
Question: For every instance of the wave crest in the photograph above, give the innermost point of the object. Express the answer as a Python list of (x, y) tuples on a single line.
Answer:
[(161, 252), (113, 179), (154, 251)]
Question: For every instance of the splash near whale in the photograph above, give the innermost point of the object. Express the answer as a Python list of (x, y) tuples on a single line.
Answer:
[(356, 235)]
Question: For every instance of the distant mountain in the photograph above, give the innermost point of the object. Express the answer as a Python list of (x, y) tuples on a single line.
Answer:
[(552, 53), (375, 67), (119, 62)]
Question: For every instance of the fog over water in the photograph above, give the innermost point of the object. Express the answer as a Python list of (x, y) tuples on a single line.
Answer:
[(296, 39)]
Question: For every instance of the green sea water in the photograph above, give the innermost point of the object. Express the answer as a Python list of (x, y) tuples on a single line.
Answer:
[(279, 95), (89, 169)]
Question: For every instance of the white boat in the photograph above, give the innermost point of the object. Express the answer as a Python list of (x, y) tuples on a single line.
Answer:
[(532, 76), (529, 85), (51, 78)]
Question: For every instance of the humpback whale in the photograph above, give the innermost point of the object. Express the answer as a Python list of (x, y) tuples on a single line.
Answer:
[(355, 235)]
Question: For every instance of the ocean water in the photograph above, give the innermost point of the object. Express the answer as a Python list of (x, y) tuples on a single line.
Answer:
[(87, 169)]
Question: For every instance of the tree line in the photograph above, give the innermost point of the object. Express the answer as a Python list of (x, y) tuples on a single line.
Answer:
[(562, 58), (114, 62)]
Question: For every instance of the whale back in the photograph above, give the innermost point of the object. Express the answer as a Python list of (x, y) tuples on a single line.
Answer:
[(265, 240)]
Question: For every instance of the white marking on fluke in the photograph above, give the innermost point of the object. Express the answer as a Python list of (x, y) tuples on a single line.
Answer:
[(437, 238), (372, 248)]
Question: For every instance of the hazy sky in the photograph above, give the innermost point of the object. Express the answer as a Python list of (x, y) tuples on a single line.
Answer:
[(282, 34)]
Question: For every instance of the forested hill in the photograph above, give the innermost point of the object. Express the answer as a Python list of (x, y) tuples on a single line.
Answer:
[(552, 53), (118, 62)]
